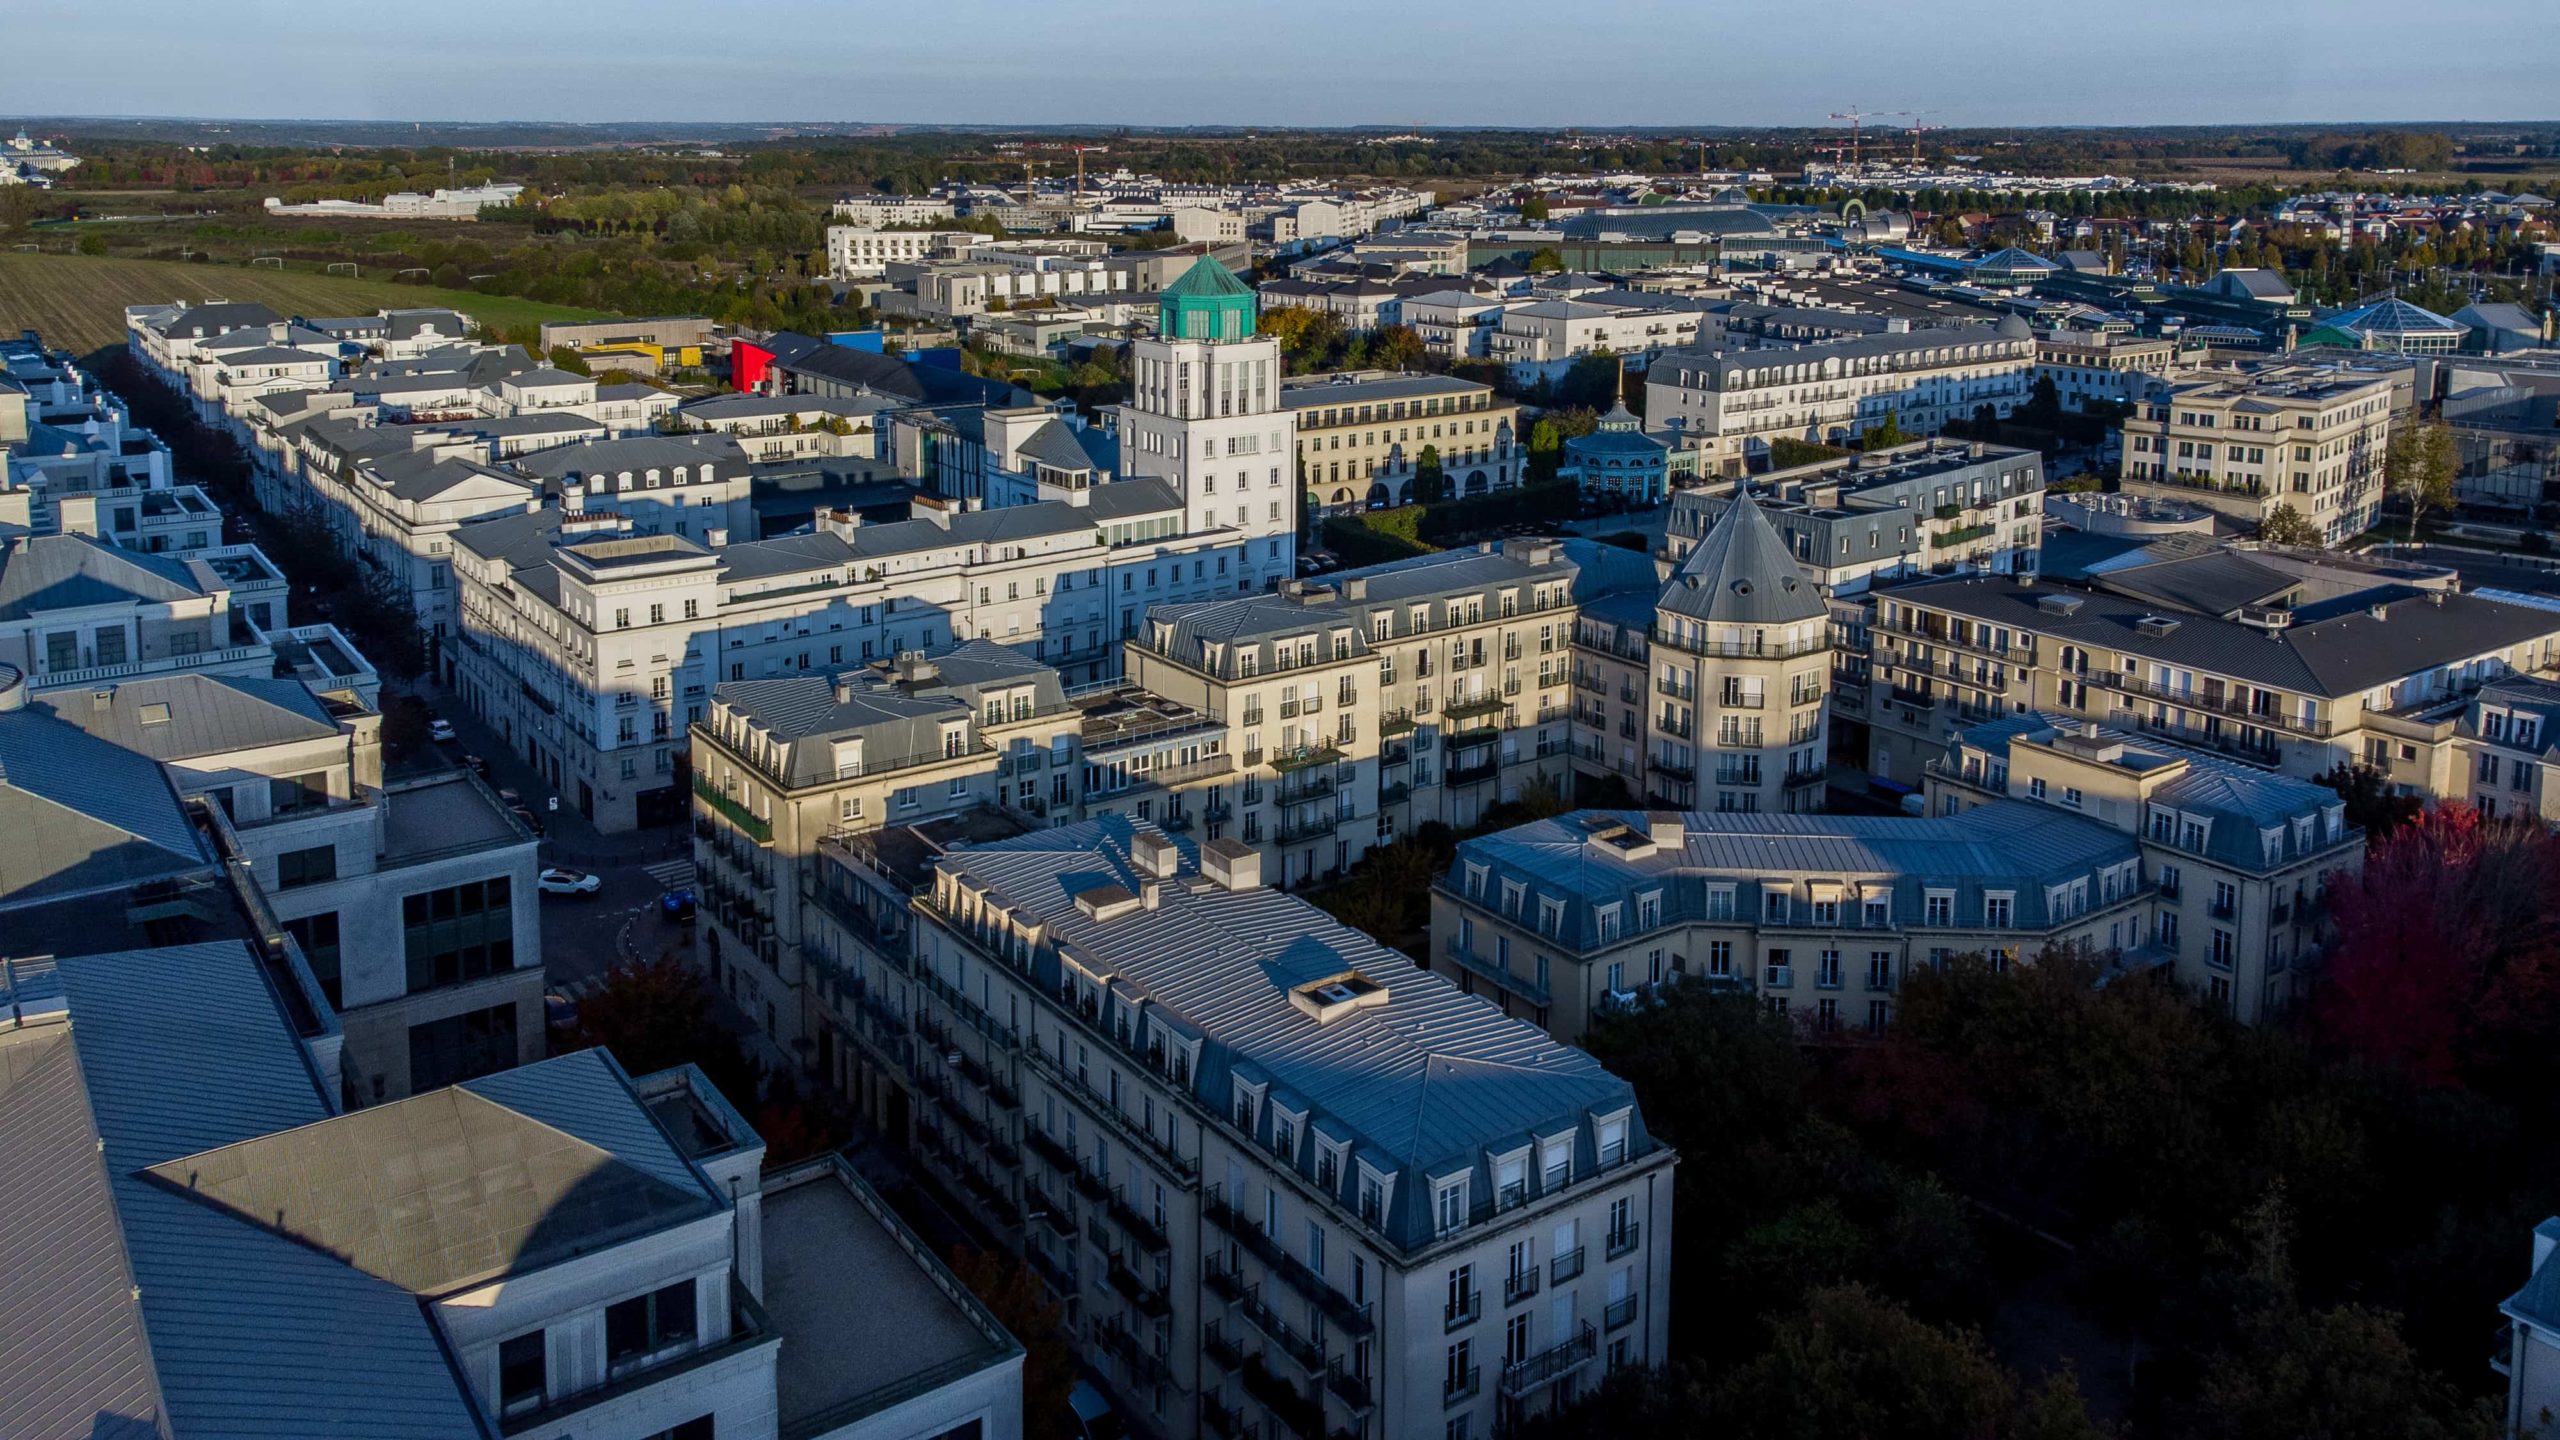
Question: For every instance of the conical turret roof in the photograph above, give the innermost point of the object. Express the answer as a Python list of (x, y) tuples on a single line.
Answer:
[(1741, 574)]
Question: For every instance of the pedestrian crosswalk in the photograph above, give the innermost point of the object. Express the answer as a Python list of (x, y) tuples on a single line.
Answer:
[(578, 989), (671, 874)]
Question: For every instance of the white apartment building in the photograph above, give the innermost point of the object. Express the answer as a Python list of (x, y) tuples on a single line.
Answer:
[(2103, 368), (591, 647), (552, 1251), (412, 901), (874, 211), (1834, 391), (1276, 1177), (858, 252), (2295, 671), (2244, 442), (1204, 414), (2528, 1354), (1547, 336)]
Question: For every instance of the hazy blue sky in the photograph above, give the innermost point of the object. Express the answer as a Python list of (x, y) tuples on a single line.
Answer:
[(1291, 62)]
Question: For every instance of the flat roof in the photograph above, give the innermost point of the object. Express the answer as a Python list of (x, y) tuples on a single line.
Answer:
[(444, 815), (863, 1323)]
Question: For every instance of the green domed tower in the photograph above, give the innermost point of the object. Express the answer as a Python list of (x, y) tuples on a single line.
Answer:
[(1207, 303)]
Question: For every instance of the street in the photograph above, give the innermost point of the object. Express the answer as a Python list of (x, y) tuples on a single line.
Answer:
[(583, 936)]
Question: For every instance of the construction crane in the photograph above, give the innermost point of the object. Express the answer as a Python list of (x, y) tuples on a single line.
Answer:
[(1856, 118), (1081, 150), (1915, 129)]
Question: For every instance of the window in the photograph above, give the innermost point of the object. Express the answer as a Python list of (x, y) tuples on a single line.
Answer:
[(306, 867), (462, 1047), (524, 1374), (1612, 1141), (646, 1325), (296, 793), (1450, 1205), (699, 1428), (1720, 958), (1996, 910), (1941, 907), (459, 933), (318, 937)]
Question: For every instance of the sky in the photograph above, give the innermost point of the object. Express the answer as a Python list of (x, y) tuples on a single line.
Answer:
[(1531, 63)]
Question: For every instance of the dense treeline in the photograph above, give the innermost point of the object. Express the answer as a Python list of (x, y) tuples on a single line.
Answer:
[(2214, 1231)]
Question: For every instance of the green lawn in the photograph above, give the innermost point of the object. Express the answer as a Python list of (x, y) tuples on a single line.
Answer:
[(78, 301)]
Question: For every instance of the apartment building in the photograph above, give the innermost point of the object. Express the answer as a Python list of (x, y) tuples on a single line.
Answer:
[(2239, 860), (411, 902), (1733, 404), (1383, 698), (781, 765), (75, 610), (1931, 507), (1455, 323), (1277, 1177), (1738, 665), (557, 1250), (2095, 367), (2242, 443), (592, 647), (859, 252), (1822, 917), (2298, 672), (62, 435), (2528, 1353), (1362, 436), (1545, 337), (1204, 411)]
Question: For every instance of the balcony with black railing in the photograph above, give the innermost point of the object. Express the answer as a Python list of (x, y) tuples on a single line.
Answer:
[(1551, 1364), (1351, 1318), (1306, 757)]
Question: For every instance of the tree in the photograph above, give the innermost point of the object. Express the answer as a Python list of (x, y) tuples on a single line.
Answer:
[(1886, 435), (1546, 260), (1430, 480), (1852, 1363), (1395, 347), (657, 1014), (1534, 209), (2418, 466), (565, 358), (93, 243), (404, 725), (2445, 946), (2371, 805), (2285, 525), (2342, 1374)]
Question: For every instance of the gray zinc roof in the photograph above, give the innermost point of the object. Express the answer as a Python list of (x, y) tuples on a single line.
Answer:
[(40, 573), (78, 813), (183, 1050), (1421, 1085), (180, 717), (1741, 574)]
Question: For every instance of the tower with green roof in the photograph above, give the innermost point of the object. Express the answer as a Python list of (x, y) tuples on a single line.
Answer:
[(1208, 302), (1204, 416)]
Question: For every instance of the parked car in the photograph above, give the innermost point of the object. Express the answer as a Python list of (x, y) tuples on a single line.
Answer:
[(531, 821), (508, 797), (440, 731), (676, 907), (1093, 1417), (559, 1011), (478, 766), (560, 880)]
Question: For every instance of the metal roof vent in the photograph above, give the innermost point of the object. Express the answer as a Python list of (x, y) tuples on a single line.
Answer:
[(2156, 625), (2058, 604)]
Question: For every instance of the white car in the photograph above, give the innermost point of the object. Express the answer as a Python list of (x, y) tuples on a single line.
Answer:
[(556, 881), (440, 730)]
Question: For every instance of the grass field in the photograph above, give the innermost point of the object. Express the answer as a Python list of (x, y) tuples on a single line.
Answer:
[(78, 301)]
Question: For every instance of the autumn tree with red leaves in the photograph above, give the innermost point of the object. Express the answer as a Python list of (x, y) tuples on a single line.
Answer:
[(2446, 963)]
